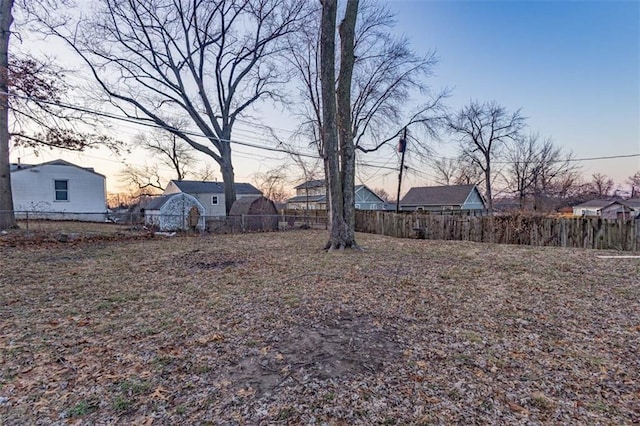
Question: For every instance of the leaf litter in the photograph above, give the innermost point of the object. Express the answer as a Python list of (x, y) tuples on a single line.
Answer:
[(267, 328)]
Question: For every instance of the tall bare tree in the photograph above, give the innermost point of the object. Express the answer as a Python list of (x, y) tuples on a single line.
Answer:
[(535, 166), (601, 185), (387, 77), (201, 60), (483, 130), (337, 136)]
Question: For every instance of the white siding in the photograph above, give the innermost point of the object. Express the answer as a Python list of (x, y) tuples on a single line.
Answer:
[(33, 190)]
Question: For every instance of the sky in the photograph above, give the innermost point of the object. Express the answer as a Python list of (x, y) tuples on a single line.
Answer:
[(572, 67)]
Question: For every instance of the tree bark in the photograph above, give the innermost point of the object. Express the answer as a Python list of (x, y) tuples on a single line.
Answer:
[(337, 235), (7, 217), (228, 176), (347, 147)]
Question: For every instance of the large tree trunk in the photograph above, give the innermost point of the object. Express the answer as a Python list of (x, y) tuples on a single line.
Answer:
[(347, 148), (337, 234), (7, 217), (228, 176)]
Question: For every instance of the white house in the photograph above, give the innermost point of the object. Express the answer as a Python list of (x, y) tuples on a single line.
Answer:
[(210, 194), (590, 208), (609, 209), (58, 190)]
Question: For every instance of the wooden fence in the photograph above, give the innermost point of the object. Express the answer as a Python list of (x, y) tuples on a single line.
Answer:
[(616, 234)]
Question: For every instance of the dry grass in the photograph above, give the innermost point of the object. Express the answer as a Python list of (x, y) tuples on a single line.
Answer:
[(266, 328)]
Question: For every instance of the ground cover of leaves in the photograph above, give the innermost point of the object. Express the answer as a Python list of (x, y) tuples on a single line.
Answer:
[(269, 329)]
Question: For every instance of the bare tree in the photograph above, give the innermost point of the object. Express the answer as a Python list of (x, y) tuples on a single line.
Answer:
[(483, 131), (535, 165), (171, 151), (205, 61), (457, 171), (634, 183), (387, 76), (337, 136), (147, 178), (272, 183), (601, 185), (382, 193)]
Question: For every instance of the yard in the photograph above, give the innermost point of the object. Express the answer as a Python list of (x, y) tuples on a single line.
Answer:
[(267, 328)]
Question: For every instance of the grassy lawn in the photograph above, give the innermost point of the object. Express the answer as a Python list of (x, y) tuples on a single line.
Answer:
[(267, 328)]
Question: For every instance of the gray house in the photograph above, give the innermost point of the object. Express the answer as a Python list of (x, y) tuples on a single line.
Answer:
[(366, 199), (210, 194), (312, 195), (443, 198)]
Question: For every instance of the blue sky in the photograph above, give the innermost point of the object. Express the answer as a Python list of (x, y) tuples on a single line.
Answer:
[(572, 66)]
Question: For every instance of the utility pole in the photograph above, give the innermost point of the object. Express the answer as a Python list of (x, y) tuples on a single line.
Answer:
[(402, 147)]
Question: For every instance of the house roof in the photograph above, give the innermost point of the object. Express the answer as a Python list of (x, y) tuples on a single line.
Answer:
[(310, 198), (596, 204), (634, 203), (16, 167), (361, 187), (450, 195), (200, 187), (311, 184)]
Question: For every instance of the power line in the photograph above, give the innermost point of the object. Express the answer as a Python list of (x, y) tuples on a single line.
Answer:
[(147, 123)]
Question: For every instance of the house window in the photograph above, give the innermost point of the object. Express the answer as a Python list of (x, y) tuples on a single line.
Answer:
[(357, 206), (62, 190), (214, 200)]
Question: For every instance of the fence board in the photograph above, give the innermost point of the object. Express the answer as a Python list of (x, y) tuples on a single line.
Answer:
[(616, 234)]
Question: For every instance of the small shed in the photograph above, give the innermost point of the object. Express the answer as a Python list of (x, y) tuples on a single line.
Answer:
[(256, 213), (175, 212)]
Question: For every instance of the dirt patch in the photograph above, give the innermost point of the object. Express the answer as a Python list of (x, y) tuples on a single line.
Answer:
[(344, 346)]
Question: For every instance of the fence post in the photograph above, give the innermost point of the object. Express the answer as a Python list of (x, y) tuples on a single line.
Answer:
[(27, 220)]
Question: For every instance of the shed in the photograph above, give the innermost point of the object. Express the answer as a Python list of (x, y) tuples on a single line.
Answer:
[(256, 213), (175, 212)]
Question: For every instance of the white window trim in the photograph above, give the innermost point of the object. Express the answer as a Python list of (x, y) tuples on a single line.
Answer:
[(217, 200), (55, 191)]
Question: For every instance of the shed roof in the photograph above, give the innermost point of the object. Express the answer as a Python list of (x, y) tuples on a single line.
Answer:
[(156, 203), (437, 195), (203, 187), (243, 205)]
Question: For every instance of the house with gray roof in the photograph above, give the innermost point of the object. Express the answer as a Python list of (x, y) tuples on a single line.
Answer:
[(210, 194), (443, 198)]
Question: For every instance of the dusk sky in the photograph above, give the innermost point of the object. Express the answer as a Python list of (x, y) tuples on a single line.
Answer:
[(573, 67)]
